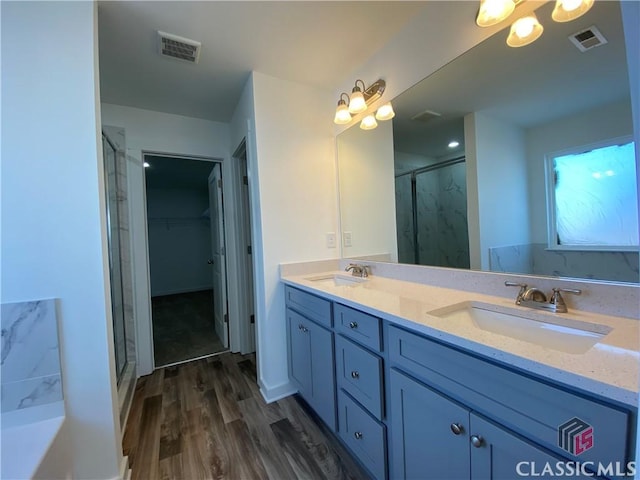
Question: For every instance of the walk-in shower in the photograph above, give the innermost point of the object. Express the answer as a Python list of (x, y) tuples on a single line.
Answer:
[(115, 254), (431, 215)]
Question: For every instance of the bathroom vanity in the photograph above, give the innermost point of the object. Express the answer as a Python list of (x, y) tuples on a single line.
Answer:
[(420, 381)]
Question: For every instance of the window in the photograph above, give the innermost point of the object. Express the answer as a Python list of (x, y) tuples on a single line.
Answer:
[(594, 197)]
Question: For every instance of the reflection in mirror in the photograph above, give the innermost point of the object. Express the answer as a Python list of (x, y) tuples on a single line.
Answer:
[(469, 168)]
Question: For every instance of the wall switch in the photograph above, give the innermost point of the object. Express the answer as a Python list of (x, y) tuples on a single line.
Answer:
[(346, 239), (331, 240)]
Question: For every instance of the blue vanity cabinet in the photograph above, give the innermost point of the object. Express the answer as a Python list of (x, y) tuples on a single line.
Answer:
[(436, 437), (311, 359)]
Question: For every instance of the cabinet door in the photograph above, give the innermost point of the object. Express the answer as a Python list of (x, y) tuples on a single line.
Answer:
[(430, 436), (299, 353), (498, 454), (323, 384)]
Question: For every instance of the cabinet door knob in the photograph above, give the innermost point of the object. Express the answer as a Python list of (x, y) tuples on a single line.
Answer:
[(353, 324), (305, 329), (358, 435), (456, 428), (300, 327), (355, 374), (477, 441)]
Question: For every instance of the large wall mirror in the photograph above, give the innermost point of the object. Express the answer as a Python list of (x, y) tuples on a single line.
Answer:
[(506, 160)]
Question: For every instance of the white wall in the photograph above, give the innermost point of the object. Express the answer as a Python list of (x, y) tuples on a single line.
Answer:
[(164, 133), (497, 196), (602, 123), (295, 165), (366, 174), (179, 240), (54, 240)]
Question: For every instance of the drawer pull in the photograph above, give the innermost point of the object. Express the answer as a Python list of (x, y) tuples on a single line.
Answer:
[(355, 374), (353, 324), (358, 435), (456, 428), (477, 441)]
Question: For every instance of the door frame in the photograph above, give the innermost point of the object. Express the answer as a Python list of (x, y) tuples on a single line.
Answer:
[(142, 279)]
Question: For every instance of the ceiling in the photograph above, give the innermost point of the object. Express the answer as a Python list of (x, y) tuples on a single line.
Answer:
[(526, 86), (315, 43), (170, 172)]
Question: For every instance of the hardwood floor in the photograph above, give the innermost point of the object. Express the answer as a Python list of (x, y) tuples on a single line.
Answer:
[(207, 420)]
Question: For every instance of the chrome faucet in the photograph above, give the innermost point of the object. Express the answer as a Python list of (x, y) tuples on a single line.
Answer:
[(535, 298), (358, 270)]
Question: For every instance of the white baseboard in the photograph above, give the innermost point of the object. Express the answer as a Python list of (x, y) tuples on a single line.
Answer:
[(273, 394)]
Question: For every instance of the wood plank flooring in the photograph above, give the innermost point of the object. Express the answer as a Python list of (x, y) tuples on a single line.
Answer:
[(207, 420)]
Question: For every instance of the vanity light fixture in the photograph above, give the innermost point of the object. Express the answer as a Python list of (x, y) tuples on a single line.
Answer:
[(342, 111), (524, 31), (360, 99), (368, 123), (494, 11), (567, 10)]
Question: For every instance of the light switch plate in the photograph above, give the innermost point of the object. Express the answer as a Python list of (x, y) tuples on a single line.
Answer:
[(346, 239), (331, 240)]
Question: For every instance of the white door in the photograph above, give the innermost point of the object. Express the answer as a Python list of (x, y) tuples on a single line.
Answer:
[(218, 255)]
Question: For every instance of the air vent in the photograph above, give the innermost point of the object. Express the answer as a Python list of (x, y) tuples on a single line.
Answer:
[(426, 116), (587, 39), (178, 47)]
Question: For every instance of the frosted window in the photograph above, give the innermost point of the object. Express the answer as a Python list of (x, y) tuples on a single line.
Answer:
[(596, 197)]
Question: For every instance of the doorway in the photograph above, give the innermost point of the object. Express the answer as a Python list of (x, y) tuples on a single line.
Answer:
[(187, 261)]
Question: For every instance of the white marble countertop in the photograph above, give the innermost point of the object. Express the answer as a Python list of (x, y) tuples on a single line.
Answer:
[(610, 369)]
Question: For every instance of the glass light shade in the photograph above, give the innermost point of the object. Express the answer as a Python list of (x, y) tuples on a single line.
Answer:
[(567, 10), (342, 114), (368, 123), (385, 112), (524, 31), (494, 11), (356, 102)]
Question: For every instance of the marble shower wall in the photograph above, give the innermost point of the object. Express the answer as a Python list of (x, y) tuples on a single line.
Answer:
[(535, 259), (404, 220), (30, 367)]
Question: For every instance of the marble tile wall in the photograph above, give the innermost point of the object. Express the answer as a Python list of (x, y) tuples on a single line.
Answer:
[(442, 218), (30, 366), (535, 259)]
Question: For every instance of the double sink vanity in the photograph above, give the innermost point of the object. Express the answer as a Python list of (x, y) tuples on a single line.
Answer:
[(421, 381)]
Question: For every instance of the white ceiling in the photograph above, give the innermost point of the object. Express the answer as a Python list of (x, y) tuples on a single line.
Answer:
[(316, 43), (526, 86)]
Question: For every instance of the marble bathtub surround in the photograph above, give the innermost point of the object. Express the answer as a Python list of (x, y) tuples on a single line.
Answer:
[(30, 368), (610, 369)]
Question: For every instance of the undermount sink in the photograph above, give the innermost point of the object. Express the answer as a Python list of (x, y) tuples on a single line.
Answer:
[(337, 280), (558, 333)]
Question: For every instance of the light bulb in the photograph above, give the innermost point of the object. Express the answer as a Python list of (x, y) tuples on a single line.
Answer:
[(567, 10), (368, 123), (524, 31), (524, 27), (494, 11), (385, 112), (356, 101), (146, 165)]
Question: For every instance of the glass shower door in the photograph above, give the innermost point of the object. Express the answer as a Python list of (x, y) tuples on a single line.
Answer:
[(115, 268)]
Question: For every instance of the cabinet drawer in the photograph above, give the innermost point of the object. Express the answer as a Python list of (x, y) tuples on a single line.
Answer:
[(359, 372), (529, 406), (359, 326), (316, 308), (362, 434)]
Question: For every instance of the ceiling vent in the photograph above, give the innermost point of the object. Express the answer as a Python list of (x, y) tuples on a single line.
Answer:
[(426, 116), (178, 47), (587, 39)]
